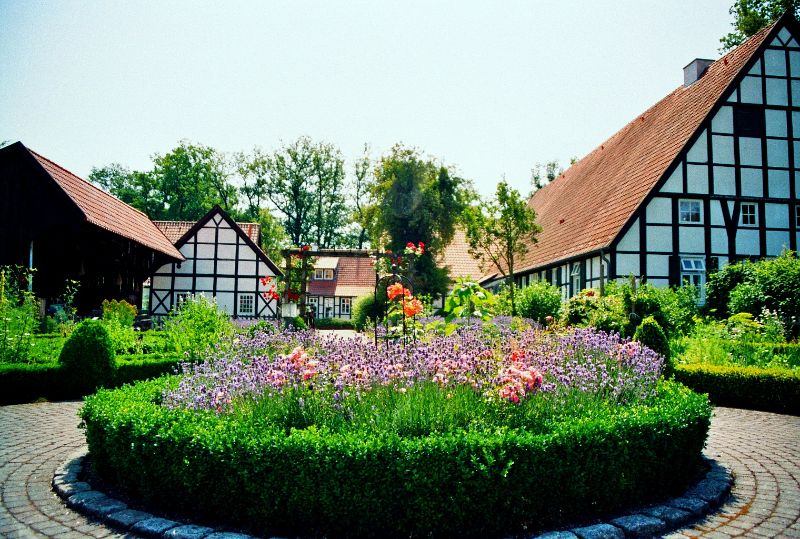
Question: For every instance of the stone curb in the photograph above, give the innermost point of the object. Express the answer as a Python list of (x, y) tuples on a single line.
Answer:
[(702, 498)]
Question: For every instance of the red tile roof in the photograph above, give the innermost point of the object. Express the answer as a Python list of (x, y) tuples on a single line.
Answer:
[(354, 276), (585, 208), (174, 230), (103, 210), (456, 256)]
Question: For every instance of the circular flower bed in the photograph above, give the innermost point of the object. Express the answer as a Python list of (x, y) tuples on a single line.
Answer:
[(490, 430)]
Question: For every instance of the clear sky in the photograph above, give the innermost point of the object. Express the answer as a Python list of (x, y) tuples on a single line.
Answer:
[(490, 87)]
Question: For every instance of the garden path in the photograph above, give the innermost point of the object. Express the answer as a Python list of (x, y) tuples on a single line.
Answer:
[(761, 448)]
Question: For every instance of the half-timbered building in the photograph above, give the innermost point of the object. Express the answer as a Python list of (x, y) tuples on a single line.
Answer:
[(67, 228), (705, 177), (337, 281), (222, 260)]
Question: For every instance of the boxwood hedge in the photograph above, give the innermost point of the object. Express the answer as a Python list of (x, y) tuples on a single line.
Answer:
[(237, 470), (770, 390)]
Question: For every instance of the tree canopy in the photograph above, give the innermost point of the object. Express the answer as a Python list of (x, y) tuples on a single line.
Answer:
[(498, 232), (750, 16), (416, 199)]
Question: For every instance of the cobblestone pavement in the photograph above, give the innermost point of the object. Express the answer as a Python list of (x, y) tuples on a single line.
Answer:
[(762, 450)]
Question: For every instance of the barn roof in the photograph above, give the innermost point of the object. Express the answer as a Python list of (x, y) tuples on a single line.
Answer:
[(107, 212), (586, 207), (174, 230)]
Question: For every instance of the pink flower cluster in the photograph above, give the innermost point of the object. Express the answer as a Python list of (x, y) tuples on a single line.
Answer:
[(518, 379)]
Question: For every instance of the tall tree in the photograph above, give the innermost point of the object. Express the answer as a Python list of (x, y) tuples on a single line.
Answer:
[(360, 189), (750, 16), (416, 199), (273, 237), (193, 178), (330, 206), (499, 231)]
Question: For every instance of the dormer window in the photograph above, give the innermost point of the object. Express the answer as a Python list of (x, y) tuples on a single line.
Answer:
[(321, 274)]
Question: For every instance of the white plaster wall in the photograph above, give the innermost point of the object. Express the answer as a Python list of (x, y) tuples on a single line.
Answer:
[(778, 181), (658, 265), (690, 239), (187, 250), (660, 283), (776, 92), (722, 149), (777, 153), (777, 215), (719, 240), (750, 151), (226, 251), (183, 283), (187, 266), (777, 242), (226, 267), (246, 253), (205, 251), (630, 241), (225, 283), (697, 179), (752, 182), (227, 235), (225, 302), (674, 183), (750, 90), (247, 267), (699, 150), (161, 283), (205, 266), (166, 268), (205, 283), (724, 181), (722, 122), (775, 122), (628, 264), (794, 63), (747, 242), (659, 238), (774, 63), (716, 217), (207, 233), (659, 210)]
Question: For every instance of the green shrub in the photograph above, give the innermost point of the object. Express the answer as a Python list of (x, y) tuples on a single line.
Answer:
[(650, 334), (88, 359), (19, 314), (770, 390), (539, 300), (334, 323), (747, 298), (721, 283), (196, 325), (120, 311), (579, 308), (299, 323), (241, 470), (365, 311)]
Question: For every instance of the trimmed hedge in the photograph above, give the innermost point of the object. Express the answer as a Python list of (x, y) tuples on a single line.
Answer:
[(770, 390), (333, 323), (28, 382), (238, 470)]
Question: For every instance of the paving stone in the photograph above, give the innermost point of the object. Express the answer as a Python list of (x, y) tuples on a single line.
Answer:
[(189, 532), (709, 490), (127, 517), (599, 531), (695, 506), (82, 497), (557, 535), (640, 525), (154, 527), (100, 507), (65, 490), (232, 535)]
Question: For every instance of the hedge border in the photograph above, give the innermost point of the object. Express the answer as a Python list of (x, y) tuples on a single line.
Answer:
[(21, 382), (311, 483), (754, 388)]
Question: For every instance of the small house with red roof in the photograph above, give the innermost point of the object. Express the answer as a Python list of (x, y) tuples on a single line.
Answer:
[(67, 228), (337, 281), (707, 176), (223, 260)]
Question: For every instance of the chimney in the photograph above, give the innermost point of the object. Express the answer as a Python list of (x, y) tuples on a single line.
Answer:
[(695, 70)]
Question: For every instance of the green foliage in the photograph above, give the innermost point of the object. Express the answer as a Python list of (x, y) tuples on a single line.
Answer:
[(416, 199), (539, 300), (750, 16), (772, 284), (469, 300), (334, 323), (196, 325), (772, 390), (499, 231), (650, 334), (120, 311), (299, 323), (19, 314), (118, 317), (366, 310), (88, 359), (246, 471)]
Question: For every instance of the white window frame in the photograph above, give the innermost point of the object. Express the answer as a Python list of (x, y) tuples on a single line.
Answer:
[(321, 274), (312, 302), (244, 297), (750, 218), (693, 271), (576, 278), (685, 214), (344, 305)]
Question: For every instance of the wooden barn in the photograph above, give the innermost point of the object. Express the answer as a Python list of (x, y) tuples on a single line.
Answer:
[(66, 228), (222, 260)]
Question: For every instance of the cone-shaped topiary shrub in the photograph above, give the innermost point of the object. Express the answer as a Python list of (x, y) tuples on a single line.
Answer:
[(87, 359), (650, 334)]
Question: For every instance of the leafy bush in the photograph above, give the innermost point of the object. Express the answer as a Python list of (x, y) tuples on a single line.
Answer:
[(120, 311), (196, 325), (366, 310), (88, 359), (771, 390), (747, 298), (721, 283), (299, 323), (334, 323), (242, 470), (539, 300), (19, 314), (650, 334)]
